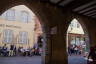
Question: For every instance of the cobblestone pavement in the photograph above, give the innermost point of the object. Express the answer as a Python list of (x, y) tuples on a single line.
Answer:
[(20, 60), (37, 60), (76, 60)]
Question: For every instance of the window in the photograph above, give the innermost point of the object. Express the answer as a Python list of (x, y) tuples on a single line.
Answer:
[(78, 25), (3, 15), (72, 25), (23, 37), (24, 17), (10, 15), (7, 36)]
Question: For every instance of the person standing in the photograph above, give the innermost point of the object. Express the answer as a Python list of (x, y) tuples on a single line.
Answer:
[(11, 50), (4, 50), (15, 51)]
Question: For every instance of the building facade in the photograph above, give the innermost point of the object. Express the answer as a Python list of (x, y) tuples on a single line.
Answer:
[(76, 34), (18, 27)]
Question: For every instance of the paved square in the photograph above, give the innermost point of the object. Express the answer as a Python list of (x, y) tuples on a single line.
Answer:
[(76, 60), (20, 60)]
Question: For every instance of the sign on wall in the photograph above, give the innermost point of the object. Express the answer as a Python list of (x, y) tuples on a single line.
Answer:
[(54, 30), (11, 26)]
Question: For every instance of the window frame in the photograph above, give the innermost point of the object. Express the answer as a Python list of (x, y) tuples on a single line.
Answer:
[(23, 39), (9, 15), (7, 36), (24, 16)]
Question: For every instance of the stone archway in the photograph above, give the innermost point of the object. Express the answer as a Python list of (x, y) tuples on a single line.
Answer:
[(84, 21), (77, 41), (44, 26), (50, 17), (84, 27), (42, 11)]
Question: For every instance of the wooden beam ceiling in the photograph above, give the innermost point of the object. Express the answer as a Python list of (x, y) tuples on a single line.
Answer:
[(55, 1), (83, 7)]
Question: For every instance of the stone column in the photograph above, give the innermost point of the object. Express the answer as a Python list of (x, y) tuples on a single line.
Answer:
[(58, 46), (47, 51)]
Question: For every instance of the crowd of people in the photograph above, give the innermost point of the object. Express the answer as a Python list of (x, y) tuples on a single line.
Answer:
[(74, 49), (20, 51)]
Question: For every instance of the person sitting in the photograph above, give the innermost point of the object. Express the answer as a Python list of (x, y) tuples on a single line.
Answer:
[(92, 54), (4, 50)]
